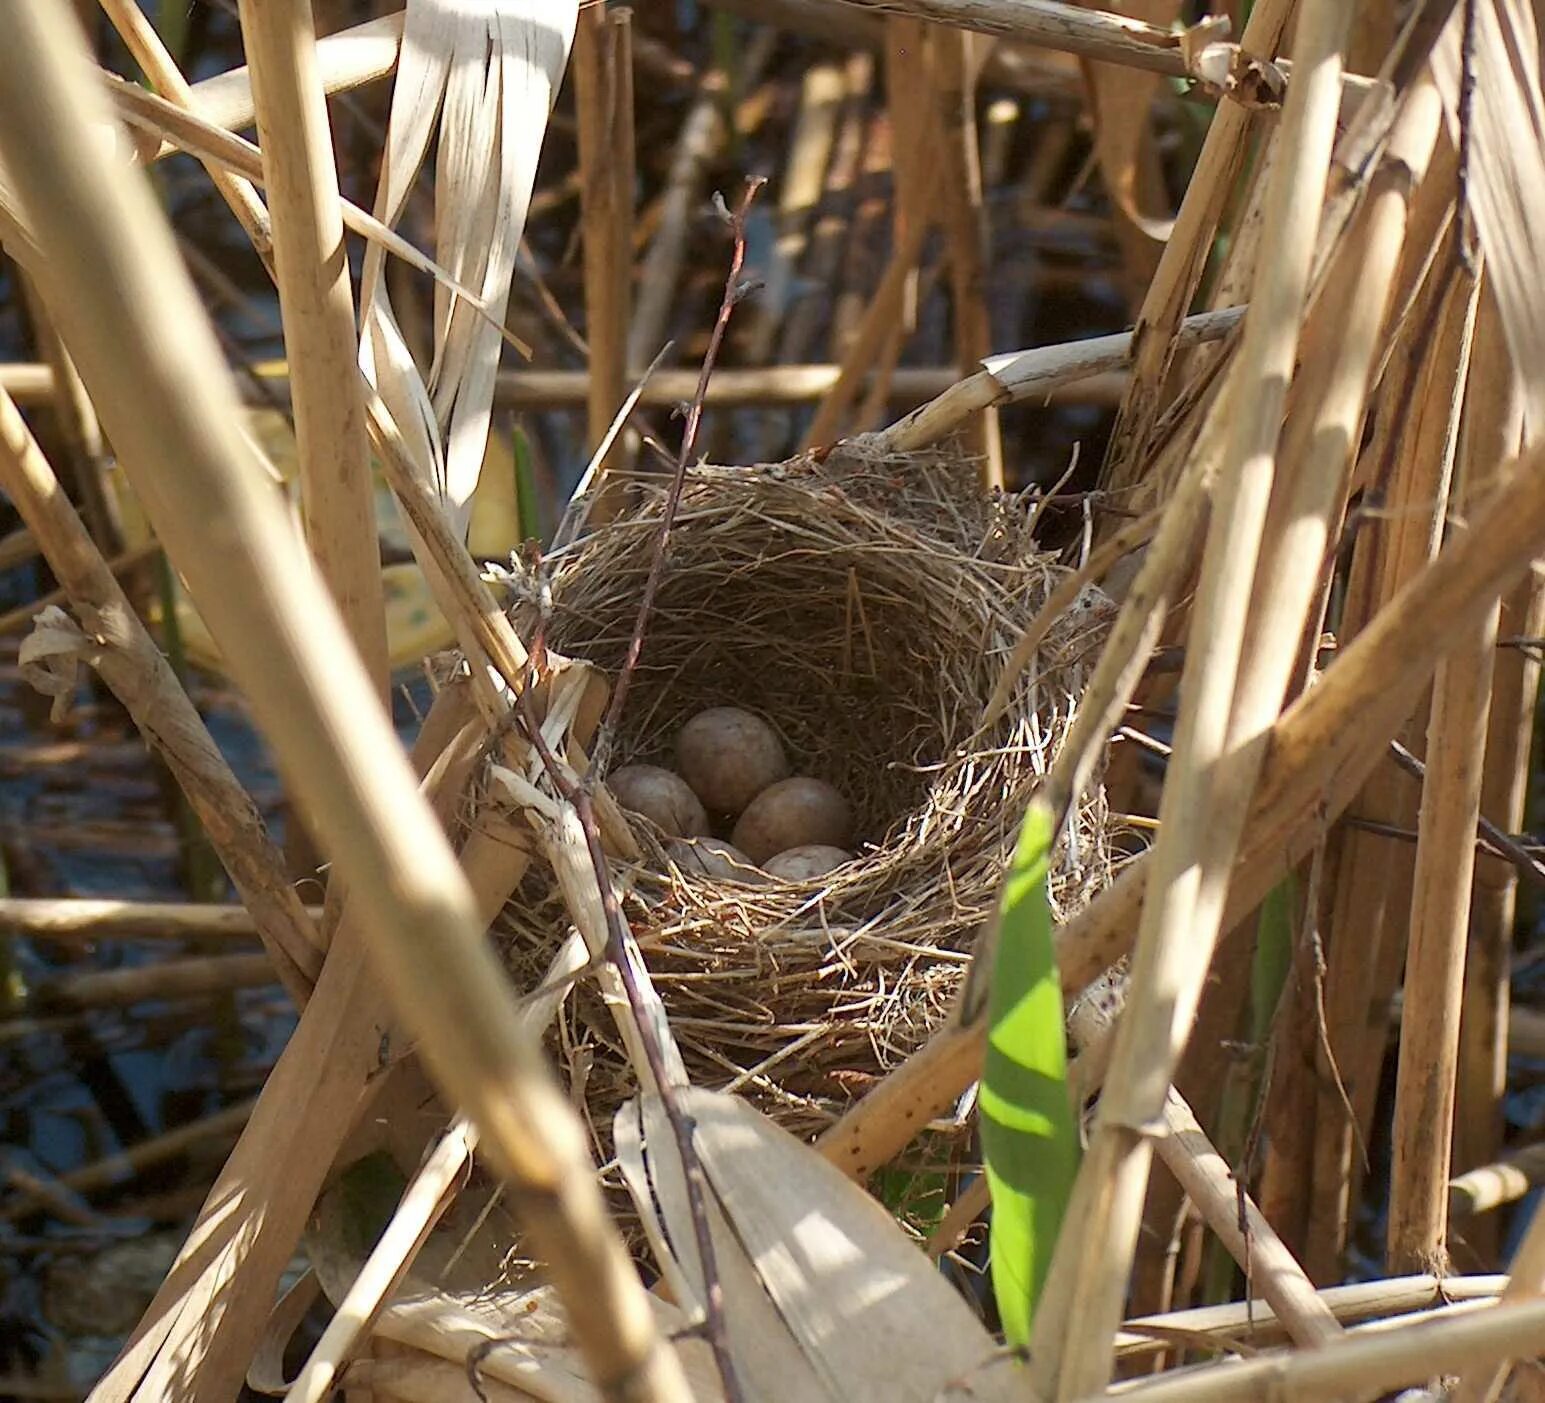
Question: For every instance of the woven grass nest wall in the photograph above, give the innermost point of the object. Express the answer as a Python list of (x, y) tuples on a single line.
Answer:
[(864, 608)]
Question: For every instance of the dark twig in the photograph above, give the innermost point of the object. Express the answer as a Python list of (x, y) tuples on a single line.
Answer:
[(1467, 243), (734, 291), (682, 1125), (1503, 844), (579, 795)]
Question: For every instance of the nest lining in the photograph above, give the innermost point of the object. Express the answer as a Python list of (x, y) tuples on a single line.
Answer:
[(865, 608)]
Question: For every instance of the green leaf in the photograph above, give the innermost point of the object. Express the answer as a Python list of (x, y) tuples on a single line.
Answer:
[(1029, 1136)]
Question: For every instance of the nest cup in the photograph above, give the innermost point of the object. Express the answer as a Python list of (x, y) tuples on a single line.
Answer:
[(865, 608)]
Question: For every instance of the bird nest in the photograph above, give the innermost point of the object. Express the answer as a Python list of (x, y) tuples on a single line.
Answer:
[(865, 607)]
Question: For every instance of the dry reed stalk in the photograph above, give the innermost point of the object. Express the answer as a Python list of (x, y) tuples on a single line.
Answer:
[(1318, 755), (89, 919), (118, 646), (772, 386), (1490, 430), (957, 58), (1184, 259), (1212, 774), (1253, 1322), (145, 47), (1365, 1365), (830, 236), (1372, 36), (800, 192), (916, 160), (1319, 445), (1228, 1211), (193, 977), (79, 429), (209, 1314), (1372, 875), (427, 1196), (130, 1162), (1425, 1092), (1119, 103), (1526, 1282), (602, 63), (316, 303), (1325, 423), (1090, 33), (1289, 1086), (1487, 1186), (880, 318), (173, 417), (346, 60), (703, 133), (1020, 375)]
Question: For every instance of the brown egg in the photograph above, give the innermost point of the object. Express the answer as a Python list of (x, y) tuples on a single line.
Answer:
[(729, 756), (664, 798), (794, 813), (713, 857), (801, 864)]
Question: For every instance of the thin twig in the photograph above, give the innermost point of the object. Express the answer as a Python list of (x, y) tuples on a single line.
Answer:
[(580, 796), (1501, 843), (682, 1125), (734, 290)]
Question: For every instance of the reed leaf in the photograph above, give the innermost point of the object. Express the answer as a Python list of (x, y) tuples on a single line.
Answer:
[(479, 84), (1029, 1140)]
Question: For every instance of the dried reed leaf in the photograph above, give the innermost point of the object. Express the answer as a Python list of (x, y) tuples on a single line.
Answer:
[(800, 1246), (527, 1340), (483, 82), (1120, 102), (1504, 178)]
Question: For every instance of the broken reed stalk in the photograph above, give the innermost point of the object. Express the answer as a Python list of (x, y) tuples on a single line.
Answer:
[(316, 304), (1425, 1088), (1096, 34), (1476, 1192), (768, 386), (1526, 1282), (121, 649), (90, 919), (1365, 1365), (1184, 259), (1209, 783), (147, 50), (426, 1198), (1022, 375), (603, 100), (1267, 1265), (1225, 1325), (172, 414)]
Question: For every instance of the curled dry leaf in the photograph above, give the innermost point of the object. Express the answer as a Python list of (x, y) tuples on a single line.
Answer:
[(483, 79)]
